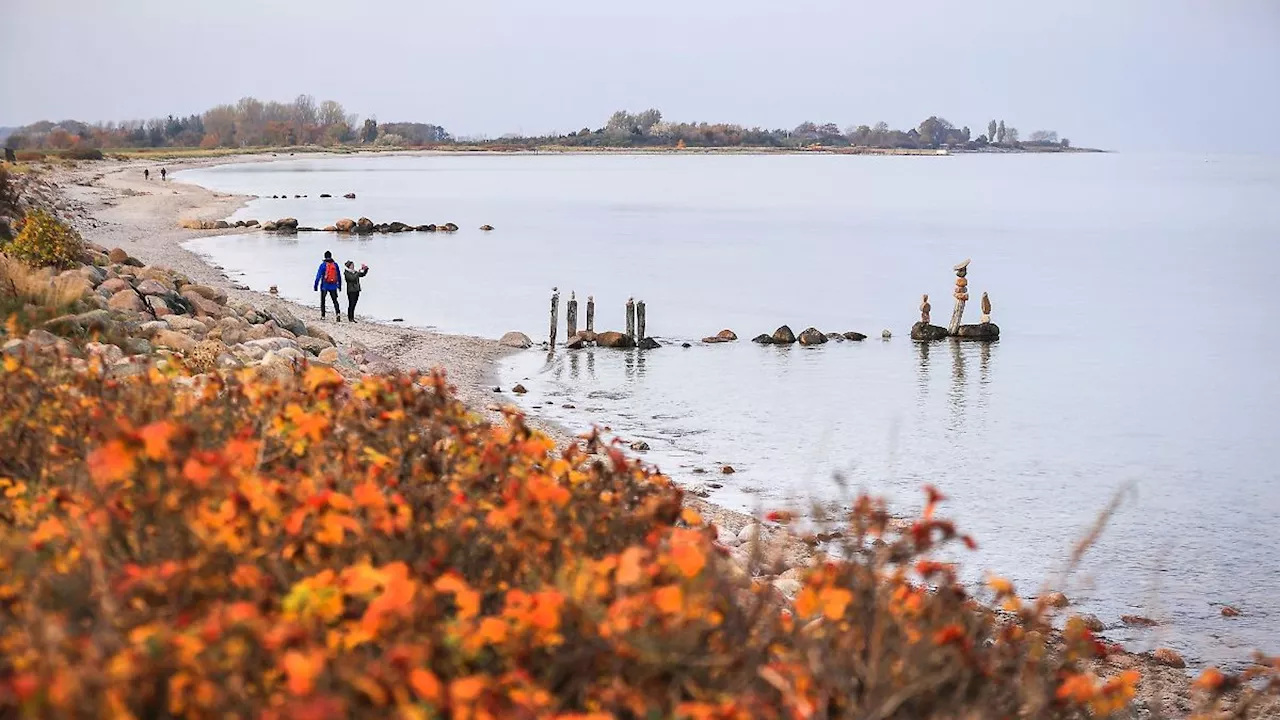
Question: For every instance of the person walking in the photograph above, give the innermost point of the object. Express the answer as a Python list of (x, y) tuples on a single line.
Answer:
[(352, 277), (163, 174), (146, 174), (329, 282)]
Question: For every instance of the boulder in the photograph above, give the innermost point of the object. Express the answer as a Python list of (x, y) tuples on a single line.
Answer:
[(285, 319), (350, 196), (649, 344), (250, 223), (186, 324), (112, 286), (127, 300), (152, 287), (761, 339), (1092, 623), (927, 333), (325, 195), (614, 340), (364, 226), (516, 340), (329, 228), (486, 228), (640, 446), (203, 305), (835, 337), (519, 389), (110, 354), (159, 306), (715, 339), (1229, 611), (450, 227), (856, 336), (328, 355), (982, 331), (117, 256), (577, 342), (269, 226), (398, 226), (273, 344), (811, 336), (217, 295), (287, 224), (727, 335), (425, 228), (312, 345), (783, 336), (318, 332), (1138, 621), (1168, 658), (174, 341), (221, 225)]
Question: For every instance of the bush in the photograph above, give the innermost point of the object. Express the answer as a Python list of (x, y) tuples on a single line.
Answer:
[(29, 297), (46, 242), (313, 549), (29, 155), (83, 153)]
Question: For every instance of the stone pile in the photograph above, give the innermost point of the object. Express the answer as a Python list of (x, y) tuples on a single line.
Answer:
[(810, 336)]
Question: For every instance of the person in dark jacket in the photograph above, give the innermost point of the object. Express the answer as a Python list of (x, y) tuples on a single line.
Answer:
[(352, 277), (329, 282)]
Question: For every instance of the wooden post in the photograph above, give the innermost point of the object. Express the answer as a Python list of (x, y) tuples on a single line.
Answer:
[(961, 295), (571, 316), (555, 311), (591, 313), (631, 318), (640, 320)]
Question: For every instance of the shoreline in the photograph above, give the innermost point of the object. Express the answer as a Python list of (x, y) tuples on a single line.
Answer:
[(121, 209)]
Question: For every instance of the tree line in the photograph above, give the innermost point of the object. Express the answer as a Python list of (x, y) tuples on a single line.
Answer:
[(254, 123), (247, 123)]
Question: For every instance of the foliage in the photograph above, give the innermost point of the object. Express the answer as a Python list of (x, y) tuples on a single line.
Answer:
[(316, 549), (8, 193), (29, 296), (45, 241)]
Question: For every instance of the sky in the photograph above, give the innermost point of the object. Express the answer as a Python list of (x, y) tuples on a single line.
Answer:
[(1118, 74)]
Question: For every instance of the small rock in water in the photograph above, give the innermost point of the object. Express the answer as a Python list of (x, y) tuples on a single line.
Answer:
[(1056, 599), (685, 345), (397, 319), (728, 470), (699, 471), (569, 406), (640, 446), (497, 389), (486, 228), (1138, 621), (1168, 657), (1229, 611), (1093, 623), (886, 334), (519, 390)]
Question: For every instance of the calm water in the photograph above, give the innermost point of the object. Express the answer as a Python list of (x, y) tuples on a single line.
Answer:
[(1132, 291)]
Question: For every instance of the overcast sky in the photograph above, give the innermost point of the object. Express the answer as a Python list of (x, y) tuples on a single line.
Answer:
[(1121, 74)]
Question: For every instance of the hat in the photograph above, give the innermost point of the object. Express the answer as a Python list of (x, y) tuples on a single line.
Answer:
[(328, 255), (351, 263)]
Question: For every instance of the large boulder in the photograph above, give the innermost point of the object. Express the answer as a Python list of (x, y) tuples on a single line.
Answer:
[(319, 333), (364, 226), (516, 340), (273, 344), (111, 286), (613, 339), (397, 227), (203, 305), (927, 333), (287, 224), (153, 287), (117, 256), (345, 225), (783, 336), (855, 336), (186, 324), (649, 344), (312, 345), (983, 331), (285, 319), (174, 341), (127, 300), (217, 295), (763, 339), (812, 336)]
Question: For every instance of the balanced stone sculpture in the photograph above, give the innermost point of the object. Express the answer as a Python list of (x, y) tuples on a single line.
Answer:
[(923, 330)]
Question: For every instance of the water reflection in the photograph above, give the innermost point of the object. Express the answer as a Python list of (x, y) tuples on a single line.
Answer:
[(573, 366), (956, 397), (922, 369)]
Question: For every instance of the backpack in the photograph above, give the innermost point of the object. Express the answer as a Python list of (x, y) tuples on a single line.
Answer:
[(330, 273)]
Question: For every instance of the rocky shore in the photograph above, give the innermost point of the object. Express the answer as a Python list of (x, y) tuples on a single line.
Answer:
[(156, 299)]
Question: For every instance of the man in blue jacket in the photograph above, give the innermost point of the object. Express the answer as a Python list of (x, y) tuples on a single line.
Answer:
[(329, 282)]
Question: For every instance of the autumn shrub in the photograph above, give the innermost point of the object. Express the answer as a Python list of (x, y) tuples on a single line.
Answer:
[(29, 296), (29, 155), (45, 241), (231, 547), (8, 193)]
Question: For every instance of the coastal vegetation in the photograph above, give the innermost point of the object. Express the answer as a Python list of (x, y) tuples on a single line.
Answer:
[(251, 123), (183, 540)]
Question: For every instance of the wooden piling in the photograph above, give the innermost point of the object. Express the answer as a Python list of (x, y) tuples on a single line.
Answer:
[(555, 312), (571, 316), (640, 320), (961, 295), (591, 313), (631, 318)]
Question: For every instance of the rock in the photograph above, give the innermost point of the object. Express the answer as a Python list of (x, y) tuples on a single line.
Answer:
[(788, 587), (325, 195), (685, 345), (727, 335), (269, 226), (287, 224), (148, 329), (425, 228), (715, 340), (117, 256), (983, 331), (925, 332), (1229, 611), (42, 338), (330, 228), (350, 196), (515, 339), (251, 223), (450, 227), (397, 227), (749, 534), (763, 339), (519, 390), (640, 446), (127, 300), (855, 336), (329, 355), (811, 336), (783, 336), (1093, 623), (312, 345), (727, 470), (112, 286), (345, 225), (577, 342), (221, 225), (203, 305), (217, 295), (486, 228), (152, 287), (1168, 658), (835, 337), (174, 341), (649, 344), (1138, 621), (159, 306), (364, 226), (186, 324), (1056, 599), (613, 339), (319, 333), (285, 319), (273, 344), (885, 334)]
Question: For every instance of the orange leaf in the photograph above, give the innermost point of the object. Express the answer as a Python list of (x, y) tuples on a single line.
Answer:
[(156, 437), (197, 472), (302, 670), (631, 566), (112, 462), (806, 602), (466, 689), (425, 685), (318, 377), (834, 602), (689, 558), (691, 517), (669, 599)]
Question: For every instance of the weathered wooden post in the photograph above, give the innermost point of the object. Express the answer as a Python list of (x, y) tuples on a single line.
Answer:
[(986, 309), (640, 320), (591, 313), (555, 311), (631, 318), (571, 316), (961, 295)]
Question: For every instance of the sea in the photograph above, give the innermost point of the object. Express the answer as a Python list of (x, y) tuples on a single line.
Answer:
[(1135, 364)]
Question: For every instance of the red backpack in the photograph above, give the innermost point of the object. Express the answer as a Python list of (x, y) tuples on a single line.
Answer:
[(330, 273)]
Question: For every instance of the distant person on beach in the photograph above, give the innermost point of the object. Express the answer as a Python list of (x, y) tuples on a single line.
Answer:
[(163, 174), (352, 277), (146, 174), (329, 282)]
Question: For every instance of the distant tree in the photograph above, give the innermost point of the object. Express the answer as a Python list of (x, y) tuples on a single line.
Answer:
[(1011, 136), (647, 119), (991, 131), (934, 131), (1065, 143), (1046, 137), (1000, 133), (370, 131), (332, 113), (964, 134), (983, 140)]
